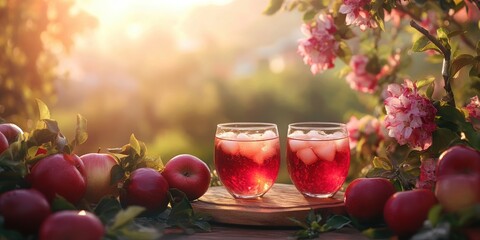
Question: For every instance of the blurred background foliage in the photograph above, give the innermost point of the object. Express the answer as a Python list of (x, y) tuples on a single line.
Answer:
[(166, 71)]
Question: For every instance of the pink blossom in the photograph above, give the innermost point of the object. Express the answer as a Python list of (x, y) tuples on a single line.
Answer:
[(318, 49), (353, 131), (429, 22), (357, 15), (360, 79), (427, 177), (473, 111), (368, 126), (410, 117)]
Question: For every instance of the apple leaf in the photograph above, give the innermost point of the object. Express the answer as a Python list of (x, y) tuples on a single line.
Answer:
[(135, 145), (273, 7), (383, 163), (337, 222), (126, 216), (43, 111), (81, 134), (313, 226), (60, 204), (107, 208), (434, 214), (182, 214), (461, 61)]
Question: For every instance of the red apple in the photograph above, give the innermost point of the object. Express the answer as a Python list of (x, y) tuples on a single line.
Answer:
[(3, 143), (365, 198), (458, 192), (458, 178), (72, 225), (406, 211), (458, 160), (24, 209), (146, 187), (98, 167), (11, 131), (61, 174), (188, 174)]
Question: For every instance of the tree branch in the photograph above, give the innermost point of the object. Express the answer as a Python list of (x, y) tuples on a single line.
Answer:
[(446, 61)]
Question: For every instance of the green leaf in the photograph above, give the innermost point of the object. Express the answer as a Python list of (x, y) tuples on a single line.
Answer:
[(383, 163), (442, 33), (337, 222), (461, 61), (425, 82), (61, 204), (107, 208), (380, 172), (423, 44), (455, 33), (117, 174), (309, 15), (434, 214), (135, 145), (126, 216), (182, 214), (273, 7), (81, 134), (43, 111), (52, 125)]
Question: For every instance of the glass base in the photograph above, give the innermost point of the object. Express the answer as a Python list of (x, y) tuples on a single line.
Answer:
[(316, 195), (247, 196)]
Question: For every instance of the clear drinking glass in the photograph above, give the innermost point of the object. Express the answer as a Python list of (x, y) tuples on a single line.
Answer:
[(247, 157), (318, 157)]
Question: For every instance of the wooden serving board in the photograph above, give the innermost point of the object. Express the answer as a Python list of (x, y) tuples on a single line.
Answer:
[(280, 203)]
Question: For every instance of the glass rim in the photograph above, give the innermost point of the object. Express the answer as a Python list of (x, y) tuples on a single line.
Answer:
[(317, 125), (247, 125)]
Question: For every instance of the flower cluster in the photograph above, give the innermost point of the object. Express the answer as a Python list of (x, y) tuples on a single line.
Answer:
[(359, 78), (357, 15), (427, 176), (410, 117), (318, 49), (368, 127), (473, 112)]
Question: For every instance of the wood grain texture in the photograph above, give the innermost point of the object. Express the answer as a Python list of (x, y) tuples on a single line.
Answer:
[(280, 203)]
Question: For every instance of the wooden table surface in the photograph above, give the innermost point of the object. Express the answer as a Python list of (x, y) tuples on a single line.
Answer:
[(263, 218), (222, 231)]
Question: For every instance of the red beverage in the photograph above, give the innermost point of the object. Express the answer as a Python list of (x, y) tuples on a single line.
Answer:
[(247, 164), (318, 162)]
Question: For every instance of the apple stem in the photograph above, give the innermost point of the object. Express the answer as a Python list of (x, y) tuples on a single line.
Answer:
[(99, 149)]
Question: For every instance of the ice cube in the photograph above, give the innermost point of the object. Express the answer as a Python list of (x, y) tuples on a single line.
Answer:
[(314, 135), (325, 150), (307, 156), (259, 158), (342, 144), (269, 148), (297, 134), (227, 135), (229, 147), (249, 149), (269, 134), (256, 136), (243, 136), (296, 145)]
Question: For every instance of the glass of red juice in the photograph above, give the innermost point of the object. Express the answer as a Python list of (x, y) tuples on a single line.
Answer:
[(318, 157), (247, 157)]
